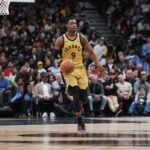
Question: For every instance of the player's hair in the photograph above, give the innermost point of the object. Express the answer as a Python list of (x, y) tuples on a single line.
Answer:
[(69, 18)]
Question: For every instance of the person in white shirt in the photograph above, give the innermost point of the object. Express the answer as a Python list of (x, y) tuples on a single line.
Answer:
[(43, 92), (124, 93), (100, 49)]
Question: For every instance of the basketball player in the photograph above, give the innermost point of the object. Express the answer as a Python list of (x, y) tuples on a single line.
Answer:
[(71, 45)]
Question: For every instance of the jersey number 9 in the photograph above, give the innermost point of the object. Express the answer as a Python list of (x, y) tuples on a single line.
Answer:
[(73, 54)]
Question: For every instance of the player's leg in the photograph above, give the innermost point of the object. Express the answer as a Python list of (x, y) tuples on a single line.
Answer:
[(77, 106), (84, 100), (71, 81), (83, 88)]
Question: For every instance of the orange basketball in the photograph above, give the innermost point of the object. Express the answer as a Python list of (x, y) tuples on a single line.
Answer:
[(67, 66)]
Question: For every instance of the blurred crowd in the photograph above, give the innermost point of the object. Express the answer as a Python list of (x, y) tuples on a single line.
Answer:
[(27, 63)]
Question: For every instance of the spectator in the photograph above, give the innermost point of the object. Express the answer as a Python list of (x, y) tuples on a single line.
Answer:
[(100, 49), (34, 55), (96, 96), (43, 92), (56, 86), (55, 68), (122, 62), (146, 49), (51, 78), (40, 67), (131, 64), (28, 96), (13, 75), (3, 88), (109, 64), (142, 82), (124, 93), (63, 101), (110, 90), (136, 74), (17, 103), (141, 103), (130, 77)]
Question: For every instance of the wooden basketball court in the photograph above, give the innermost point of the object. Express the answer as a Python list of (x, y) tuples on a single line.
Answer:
[(102, 133)]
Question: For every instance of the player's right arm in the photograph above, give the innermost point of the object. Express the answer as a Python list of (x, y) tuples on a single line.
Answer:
[(58, 43), (58, 46)]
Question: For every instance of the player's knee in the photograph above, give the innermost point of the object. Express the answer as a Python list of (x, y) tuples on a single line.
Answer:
[(83, 95), (73, 90)]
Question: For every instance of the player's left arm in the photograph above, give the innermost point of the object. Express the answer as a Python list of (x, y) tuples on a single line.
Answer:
[(89, 49)]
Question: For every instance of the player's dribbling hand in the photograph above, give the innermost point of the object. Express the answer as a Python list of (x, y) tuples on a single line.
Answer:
[(101, 70)]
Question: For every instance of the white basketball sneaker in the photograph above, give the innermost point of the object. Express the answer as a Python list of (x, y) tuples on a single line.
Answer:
[(52, 115), (45, 115)]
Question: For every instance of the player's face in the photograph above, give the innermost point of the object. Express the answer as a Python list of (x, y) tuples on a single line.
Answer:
[(72, 25)]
